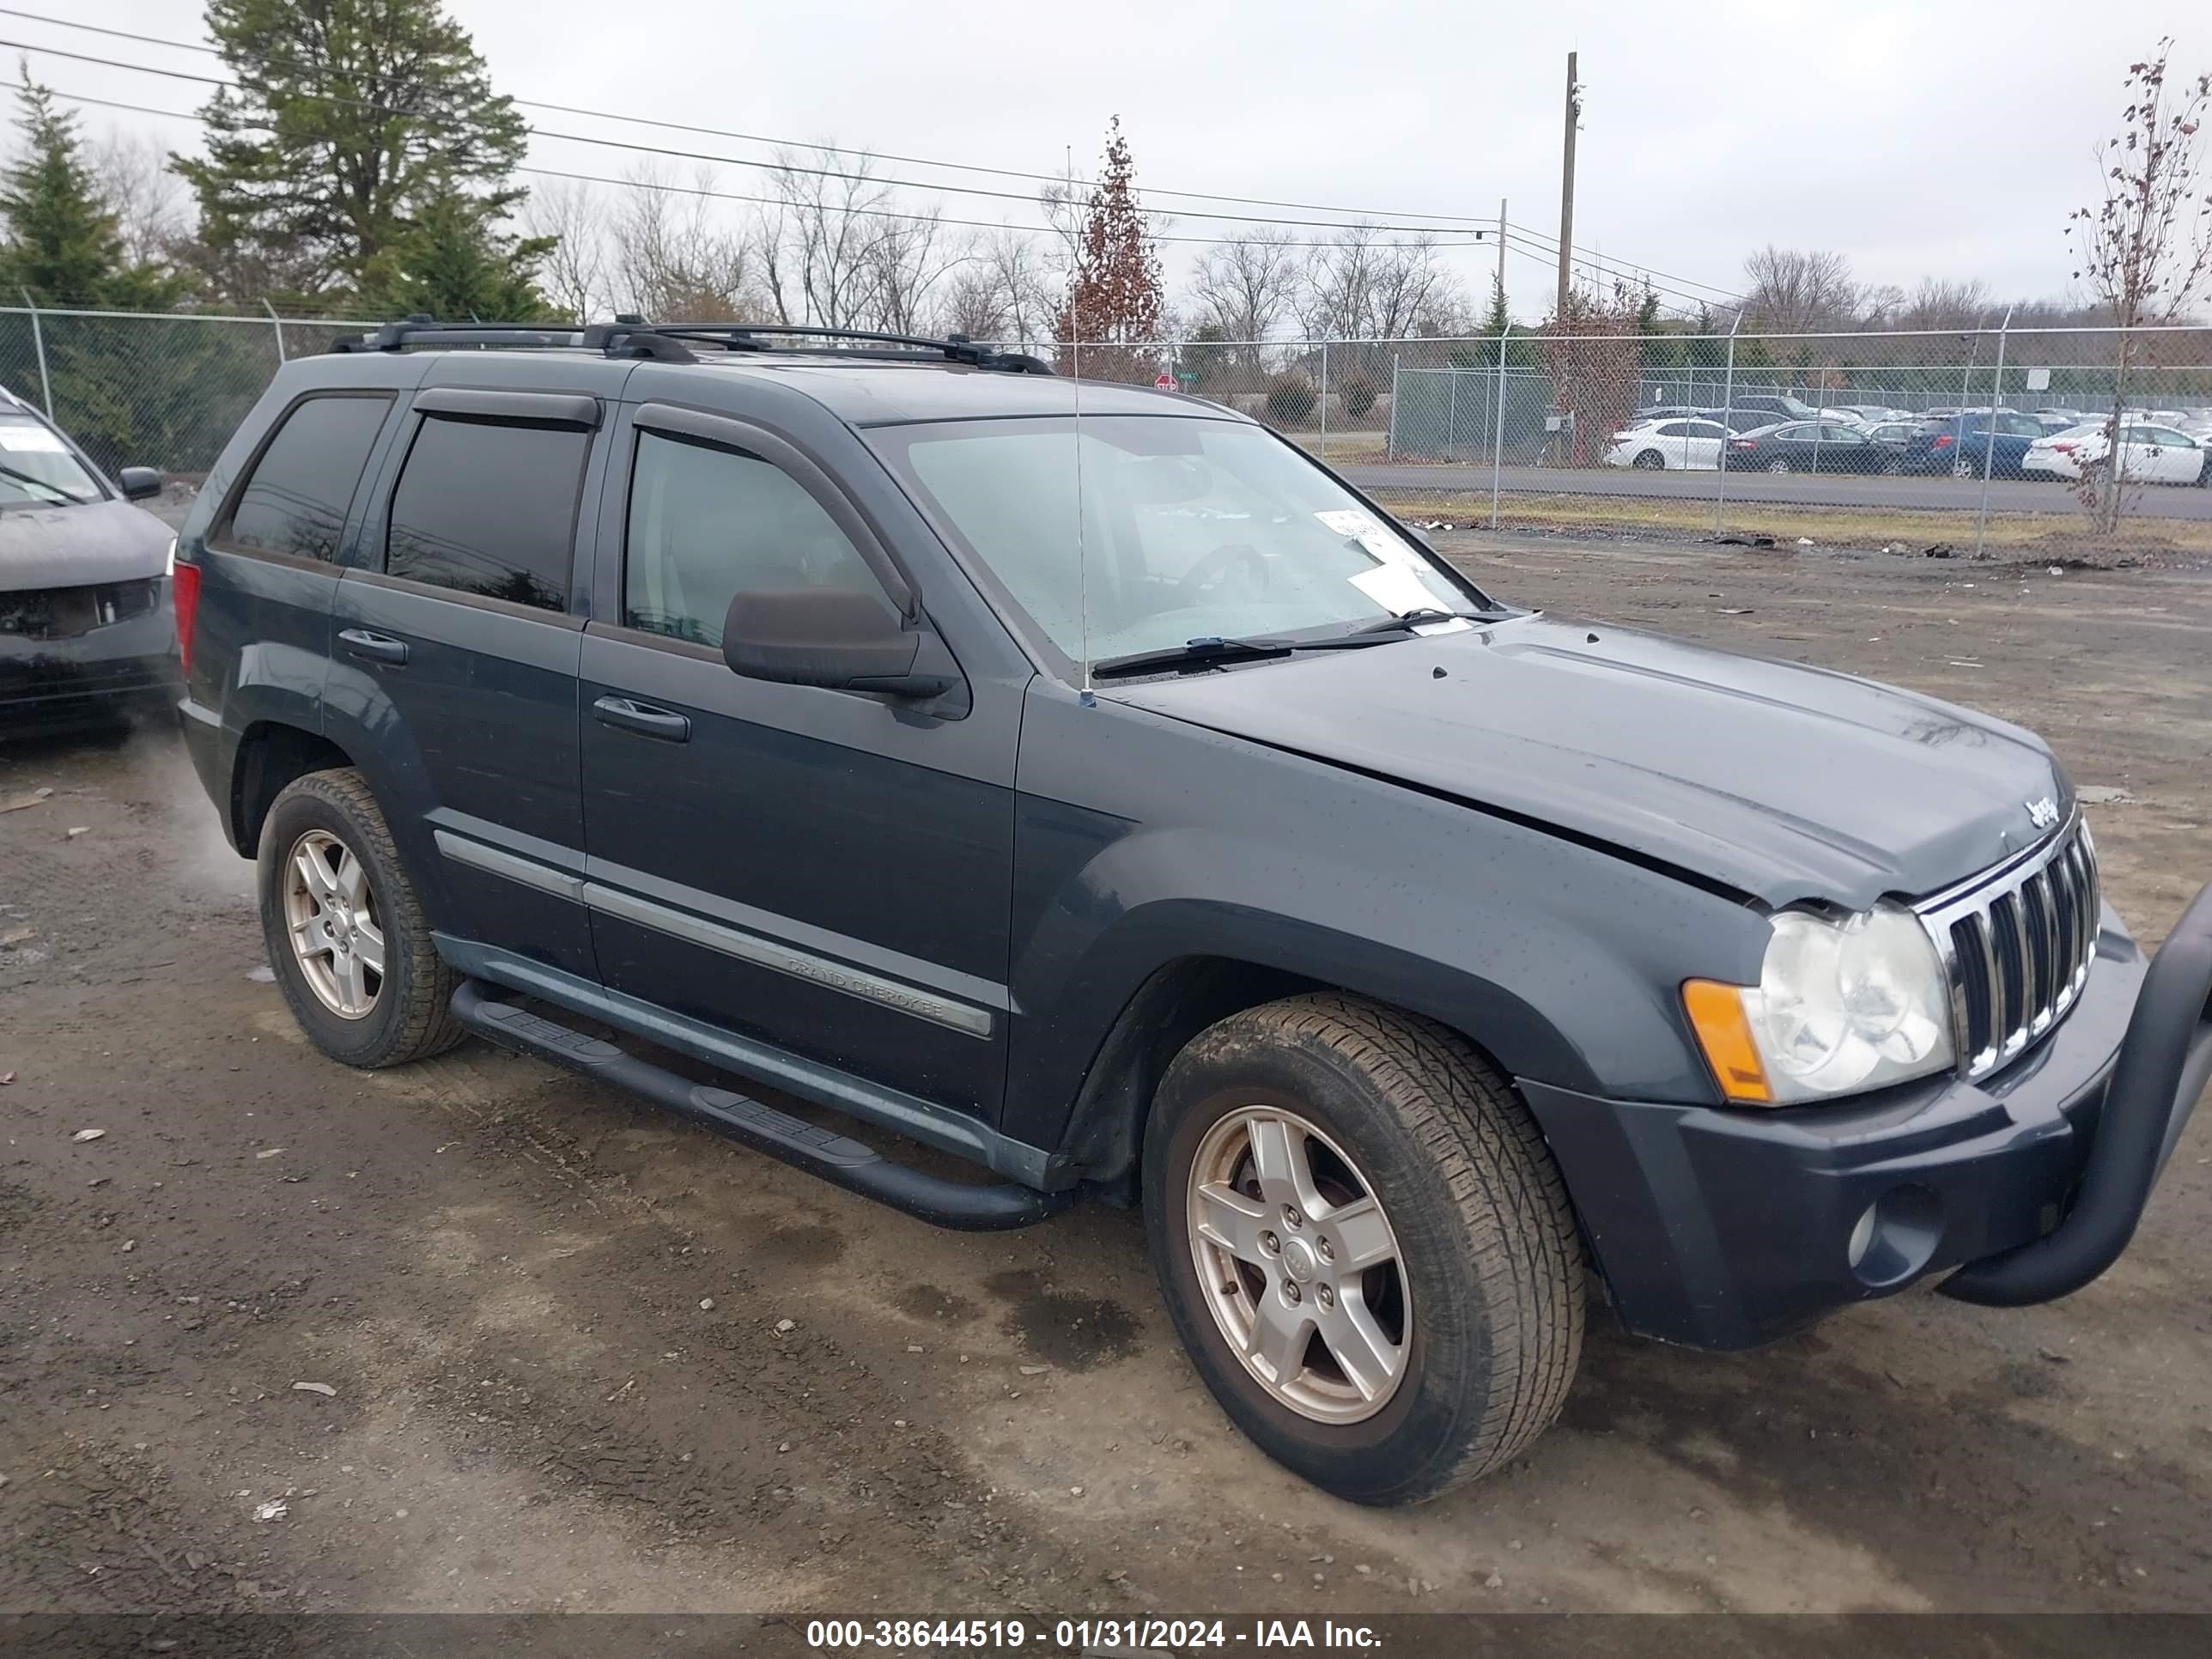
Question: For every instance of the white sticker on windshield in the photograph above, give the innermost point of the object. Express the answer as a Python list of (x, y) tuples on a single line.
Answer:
[(1374, 539), (25, 439), (1395, 588)]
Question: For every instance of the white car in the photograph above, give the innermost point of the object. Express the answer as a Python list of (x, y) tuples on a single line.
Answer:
[(1694, 446), (2148, 454)]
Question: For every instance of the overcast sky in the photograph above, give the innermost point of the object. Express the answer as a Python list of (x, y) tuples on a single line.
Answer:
[(1918, 139)]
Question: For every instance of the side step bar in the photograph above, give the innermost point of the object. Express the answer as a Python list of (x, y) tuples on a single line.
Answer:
[(842, 1161)]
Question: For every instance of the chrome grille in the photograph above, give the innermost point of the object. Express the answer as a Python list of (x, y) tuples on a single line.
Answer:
[(2017, 942)]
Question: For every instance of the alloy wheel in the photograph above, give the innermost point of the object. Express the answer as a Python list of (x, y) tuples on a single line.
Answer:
[(330, 918), (1300, 1265)]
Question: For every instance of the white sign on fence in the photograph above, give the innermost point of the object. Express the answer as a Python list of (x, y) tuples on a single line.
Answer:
[(2038, 380)]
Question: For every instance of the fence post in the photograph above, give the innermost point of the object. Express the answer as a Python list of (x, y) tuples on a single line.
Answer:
[(38, 347), (1324, 400), (1390, 437), (1989, 433), (276, 322), (1498, 425), (1728, 429)]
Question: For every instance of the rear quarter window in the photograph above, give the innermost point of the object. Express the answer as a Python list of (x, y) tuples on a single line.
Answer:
[(488, 508), (297, 493)]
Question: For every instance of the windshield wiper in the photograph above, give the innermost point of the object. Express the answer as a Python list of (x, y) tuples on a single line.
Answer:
[(1422, 615), (69, 496), (1191, 654)]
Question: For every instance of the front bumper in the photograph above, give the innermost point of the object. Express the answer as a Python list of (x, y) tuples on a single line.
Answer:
[(1726, 1229), (51, 683)]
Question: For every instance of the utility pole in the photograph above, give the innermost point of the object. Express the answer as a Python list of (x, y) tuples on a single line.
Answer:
[(1501, 250), (1567, 189)]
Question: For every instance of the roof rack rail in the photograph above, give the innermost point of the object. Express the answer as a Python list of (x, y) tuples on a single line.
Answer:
[(630, 335), (954, 348)]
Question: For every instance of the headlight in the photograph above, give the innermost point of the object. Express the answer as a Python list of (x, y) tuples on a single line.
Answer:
[(1839, 1006)]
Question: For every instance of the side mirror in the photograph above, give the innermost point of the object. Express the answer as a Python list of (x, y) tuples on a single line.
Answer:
[(140, 484), (837, 639)]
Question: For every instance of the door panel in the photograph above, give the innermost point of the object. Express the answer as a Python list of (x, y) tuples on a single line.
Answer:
[(823, 872)]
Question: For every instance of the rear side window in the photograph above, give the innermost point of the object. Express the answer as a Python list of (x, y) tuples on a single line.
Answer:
[(707, 524), (295, 499), (489, 508)]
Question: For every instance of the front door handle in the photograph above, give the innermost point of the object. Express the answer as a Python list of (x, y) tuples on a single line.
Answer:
[(643, 719), (372, 647)]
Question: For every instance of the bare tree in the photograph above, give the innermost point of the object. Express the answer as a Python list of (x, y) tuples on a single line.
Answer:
[(148, 200), (574, 273), (1361, 286), (1003, 293), (839, 249), (1243, 290), (676, 259), (1938, 303), (1796, 291), (2145, 250)]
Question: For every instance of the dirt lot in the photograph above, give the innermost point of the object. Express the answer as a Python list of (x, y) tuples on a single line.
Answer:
[(548, 1321)]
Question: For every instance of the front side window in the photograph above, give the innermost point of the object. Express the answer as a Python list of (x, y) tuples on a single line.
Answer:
[(489, 507), (36, 467), (1144, 532), (707, 524), (296, 500)]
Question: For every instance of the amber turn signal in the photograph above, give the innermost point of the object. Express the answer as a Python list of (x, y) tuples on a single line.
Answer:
[(1716, 1015)]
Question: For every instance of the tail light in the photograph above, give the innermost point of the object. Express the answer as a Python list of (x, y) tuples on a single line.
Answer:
[(184, 596), (2064, 449), (1943, 441)]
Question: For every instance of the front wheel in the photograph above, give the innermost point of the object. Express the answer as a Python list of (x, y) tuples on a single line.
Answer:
[(1364, 1245)]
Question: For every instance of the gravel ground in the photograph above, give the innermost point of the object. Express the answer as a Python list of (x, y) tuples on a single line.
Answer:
[(547, 1325)]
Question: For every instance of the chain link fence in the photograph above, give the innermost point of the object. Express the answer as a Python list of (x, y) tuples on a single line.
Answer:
[(2068, 443), (136, 388), (2013, 442)]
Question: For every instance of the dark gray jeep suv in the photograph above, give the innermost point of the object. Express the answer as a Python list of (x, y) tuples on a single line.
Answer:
[(1084, 782)]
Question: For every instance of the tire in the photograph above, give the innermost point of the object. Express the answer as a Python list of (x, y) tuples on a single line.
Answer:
[(1480, 1306), (1650, 460), (1962, 468), (331, 818), (1777, 465)]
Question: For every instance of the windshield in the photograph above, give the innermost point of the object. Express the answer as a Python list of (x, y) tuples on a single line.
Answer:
[(36, 466), (1190, 530)]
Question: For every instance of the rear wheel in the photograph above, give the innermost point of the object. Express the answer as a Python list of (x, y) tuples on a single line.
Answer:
[(1363, 1244), (346, 937), (1962, 468), (1777, 465), (1651, 461)]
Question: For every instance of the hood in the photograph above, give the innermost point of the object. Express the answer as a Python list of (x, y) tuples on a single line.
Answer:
[(110, 541), (1776, 781)]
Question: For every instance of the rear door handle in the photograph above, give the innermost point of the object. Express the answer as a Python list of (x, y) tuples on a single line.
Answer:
[(372, 647), (643, 719)]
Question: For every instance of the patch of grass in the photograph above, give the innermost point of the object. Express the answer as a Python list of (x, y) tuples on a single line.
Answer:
[(2055, 534)]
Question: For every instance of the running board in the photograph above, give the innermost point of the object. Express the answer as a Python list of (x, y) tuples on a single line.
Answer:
[(842, 1161)]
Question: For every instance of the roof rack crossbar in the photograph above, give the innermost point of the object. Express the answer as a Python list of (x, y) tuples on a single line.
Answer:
[(633, 337)]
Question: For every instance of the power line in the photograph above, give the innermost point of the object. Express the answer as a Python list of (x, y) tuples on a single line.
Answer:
[(1450, 223), (1363, 220), (769, 201)]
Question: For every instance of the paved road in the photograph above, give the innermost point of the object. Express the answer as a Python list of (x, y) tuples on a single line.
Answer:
[(1806, 490)]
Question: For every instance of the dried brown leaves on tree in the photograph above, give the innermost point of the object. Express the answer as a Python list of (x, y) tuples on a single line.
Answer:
[(2145, 250), (1112, 315), (1594, 358)]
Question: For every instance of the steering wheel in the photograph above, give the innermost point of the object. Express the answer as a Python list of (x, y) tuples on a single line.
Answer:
[(1210, 571)]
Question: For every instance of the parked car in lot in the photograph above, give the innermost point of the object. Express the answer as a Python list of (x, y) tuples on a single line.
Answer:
[(2148, 454), (1654, 445), (1099, 790), (1971, 442), (1866, 414), (1893, 437), (86, 633), (1737, 420), (1806, 446)]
